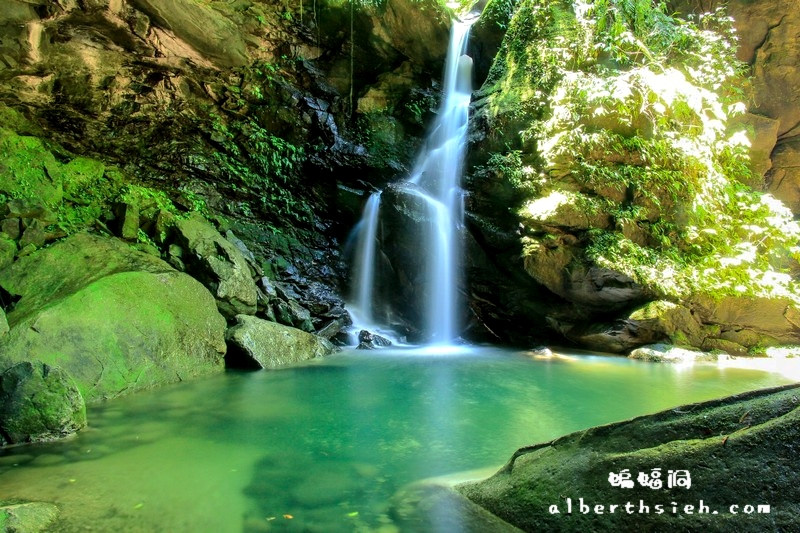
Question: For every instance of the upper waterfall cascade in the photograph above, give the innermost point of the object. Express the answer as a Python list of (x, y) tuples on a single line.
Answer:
[(436, 180)]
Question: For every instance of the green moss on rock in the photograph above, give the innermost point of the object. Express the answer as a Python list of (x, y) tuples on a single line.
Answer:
[(39, 402), (31, 517), (125, 331), (114, 318)]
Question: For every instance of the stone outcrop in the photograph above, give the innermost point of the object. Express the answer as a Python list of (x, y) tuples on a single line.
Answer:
[(257, 343), (571, 173), (219, 264), (767, 34), (741, 445)]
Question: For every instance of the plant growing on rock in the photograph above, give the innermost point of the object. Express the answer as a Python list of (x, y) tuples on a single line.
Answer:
[(631, 160)]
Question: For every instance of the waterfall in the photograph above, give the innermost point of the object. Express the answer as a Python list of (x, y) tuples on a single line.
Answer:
[(437, 179), (364, 266)]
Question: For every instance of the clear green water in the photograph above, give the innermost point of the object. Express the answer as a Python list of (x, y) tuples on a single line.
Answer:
[(329, 443)]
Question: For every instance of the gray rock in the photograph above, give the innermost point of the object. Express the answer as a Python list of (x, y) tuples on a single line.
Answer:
[(39, 402), (370, 341), (256, 343), (219, 265)]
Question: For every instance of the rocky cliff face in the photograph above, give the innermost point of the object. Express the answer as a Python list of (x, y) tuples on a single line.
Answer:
[(612, 167), (276, 117), (767, 43)]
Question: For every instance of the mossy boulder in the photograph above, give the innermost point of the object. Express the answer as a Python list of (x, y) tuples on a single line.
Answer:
[(115, 319), (30, 517), (219, 265), (737, 450), (257, 343), (123, 332), (68, 266), (38, 402)]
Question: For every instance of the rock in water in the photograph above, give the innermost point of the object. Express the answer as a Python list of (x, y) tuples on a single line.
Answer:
[(39, 402), (369, 341), (257, 343), (734, 451), (27, 517)]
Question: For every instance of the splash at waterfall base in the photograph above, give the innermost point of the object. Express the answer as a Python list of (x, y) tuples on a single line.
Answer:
[(408, 252)]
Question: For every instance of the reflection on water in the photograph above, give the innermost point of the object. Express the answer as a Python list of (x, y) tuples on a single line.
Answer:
[(325, 446)]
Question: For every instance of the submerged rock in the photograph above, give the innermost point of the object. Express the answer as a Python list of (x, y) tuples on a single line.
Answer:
[(29, 517), (735, 451), (39, 402), (256, 343)]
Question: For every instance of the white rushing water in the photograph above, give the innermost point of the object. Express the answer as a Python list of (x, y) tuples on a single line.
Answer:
[(437, 173)]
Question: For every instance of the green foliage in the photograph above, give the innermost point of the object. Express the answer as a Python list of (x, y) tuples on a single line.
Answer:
[(625, 109), (266, 164)]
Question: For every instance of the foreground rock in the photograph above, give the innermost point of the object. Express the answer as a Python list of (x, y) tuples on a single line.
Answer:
[(114, 319), (257, 343), (38, 403), (738, 450)]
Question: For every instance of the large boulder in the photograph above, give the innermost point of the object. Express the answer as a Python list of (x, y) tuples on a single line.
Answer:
[(67, 267), (257, 343), (38, 402), (735, 451), (219, 265), (115, 319)]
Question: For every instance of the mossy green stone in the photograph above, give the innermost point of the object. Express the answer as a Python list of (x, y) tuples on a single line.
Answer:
[(39, 402), (27, 517), (66, 267), (261, 344), (124, 332), (8, 249)]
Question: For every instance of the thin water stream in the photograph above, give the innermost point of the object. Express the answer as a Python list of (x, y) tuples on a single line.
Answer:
[(326, 446)]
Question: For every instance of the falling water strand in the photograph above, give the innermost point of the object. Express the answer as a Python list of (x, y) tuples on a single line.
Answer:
[(365, 262), (437, 177), (438, 172)]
